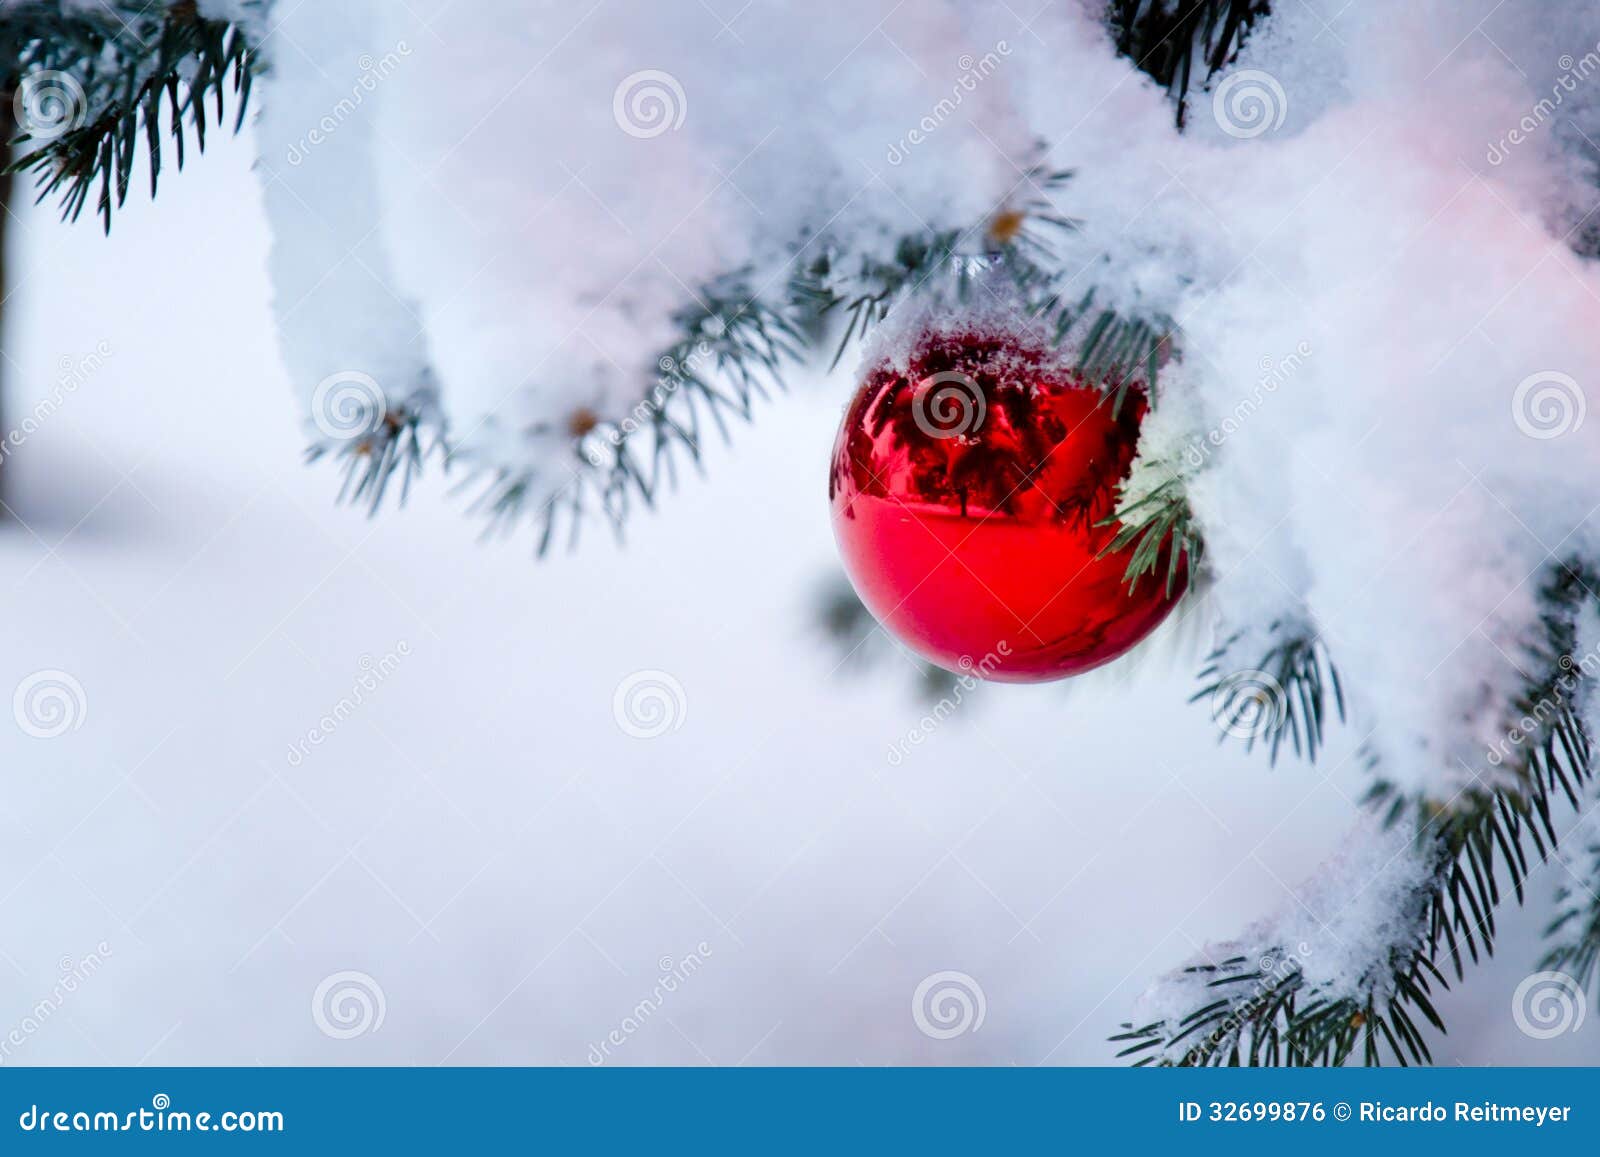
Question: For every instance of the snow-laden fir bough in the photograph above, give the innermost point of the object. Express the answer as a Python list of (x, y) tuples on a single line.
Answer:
[(566, 334)]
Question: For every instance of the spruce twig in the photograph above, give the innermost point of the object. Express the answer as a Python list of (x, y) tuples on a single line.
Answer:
[(1182, 43), (106, 78), (1476, 848)]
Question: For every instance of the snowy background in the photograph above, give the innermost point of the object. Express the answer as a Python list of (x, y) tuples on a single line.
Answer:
[(505, 867)]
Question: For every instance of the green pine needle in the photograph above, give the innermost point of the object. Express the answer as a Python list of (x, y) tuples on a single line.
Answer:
[(122, 63), (1158, 526), (1263, 1015), (1182, 43)]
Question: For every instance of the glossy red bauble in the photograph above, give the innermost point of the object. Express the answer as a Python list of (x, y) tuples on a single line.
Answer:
[(968, 487)]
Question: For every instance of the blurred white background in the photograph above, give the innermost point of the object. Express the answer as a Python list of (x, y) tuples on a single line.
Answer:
[(480, 838)]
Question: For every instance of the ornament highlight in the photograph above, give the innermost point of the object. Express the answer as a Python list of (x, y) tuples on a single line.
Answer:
[(968, 487)]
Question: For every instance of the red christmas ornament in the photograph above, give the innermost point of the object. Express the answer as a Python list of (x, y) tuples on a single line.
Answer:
[(966, 494)]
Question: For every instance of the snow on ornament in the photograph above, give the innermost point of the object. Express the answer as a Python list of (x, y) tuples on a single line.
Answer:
[(972, 487)]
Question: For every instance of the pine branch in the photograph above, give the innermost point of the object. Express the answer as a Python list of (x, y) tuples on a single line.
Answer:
[(1158, 526), (865, 297), (1116, 353), (1018, 240), (1259, 1008), (737, 343), (1285, 696), (1575, 931), (95, 80), (1182, 43), (734, 347), (400, 444)]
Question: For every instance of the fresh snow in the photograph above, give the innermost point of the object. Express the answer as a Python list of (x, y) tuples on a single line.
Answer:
[(1361, 277), (1386, 339)]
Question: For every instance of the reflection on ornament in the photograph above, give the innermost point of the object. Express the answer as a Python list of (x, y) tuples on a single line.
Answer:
[(967, 494)]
